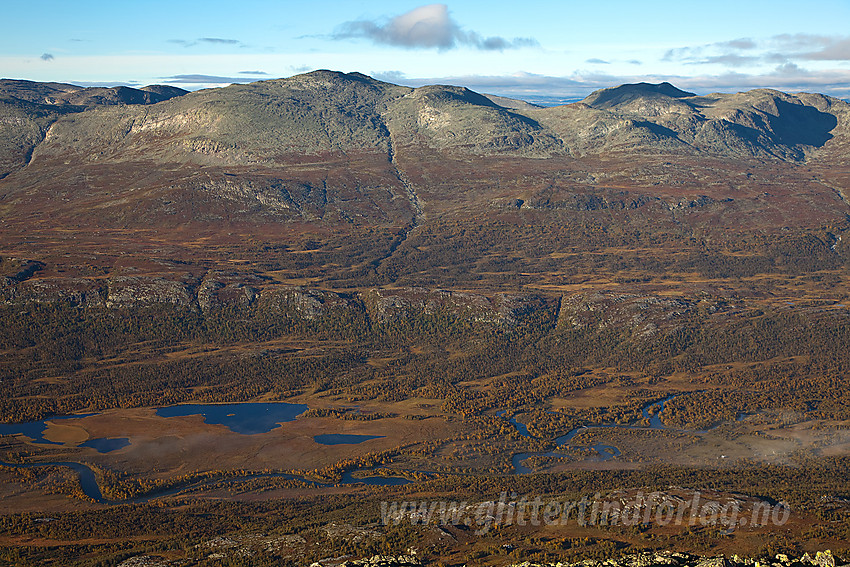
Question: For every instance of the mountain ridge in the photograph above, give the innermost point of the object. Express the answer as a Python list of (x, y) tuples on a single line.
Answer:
[(29, 108), (60, 94), (345, 154), (640, 116)]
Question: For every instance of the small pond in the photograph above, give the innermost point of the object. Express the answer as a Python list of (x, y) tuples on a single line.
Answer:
[(106, 445), (343, 439)]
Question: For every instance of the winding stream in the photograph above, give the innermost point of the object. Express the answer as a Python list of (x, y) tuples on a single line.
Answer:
[(651, 411), (88, 482), (264, 421), (89, 486), (242, 418)]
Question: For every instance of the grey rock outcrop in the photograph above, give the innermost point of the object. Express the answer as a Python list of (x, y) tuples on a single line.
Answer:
[(645, 315), (137, 291), (310, 304), (385, 561), (385, 305), (219, 289), (80, 292)]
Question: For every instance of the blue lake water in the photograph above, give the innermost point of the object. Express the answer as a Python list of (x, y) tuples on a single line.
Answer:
[(106, 445), (35, 429), (90, 488), (343, 439), (243, 418), (521, 428), (655, 420), (247, 418)]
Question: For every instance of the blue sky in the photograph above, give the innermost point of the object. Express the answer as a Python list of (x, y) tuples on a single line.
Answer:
[(538, 50)]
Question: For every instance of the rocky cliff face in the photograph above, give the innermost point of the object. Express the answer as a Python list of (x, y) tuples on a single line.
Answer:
[(503, 309), (222, 289), (309, 304), (133, 291), (217, 290), (645, 315), (642, 314)]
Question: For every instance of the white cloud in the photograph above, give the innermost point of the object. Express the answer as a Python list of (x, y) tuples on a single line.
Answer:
[(207, 40), (428, 26), (836, 50), (393, 76), (219, 40), (776, 49)]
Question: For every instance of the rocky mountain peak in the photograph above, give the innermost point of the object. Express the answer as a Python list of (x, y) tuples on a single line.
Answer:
[(623, 94), (446, 94)]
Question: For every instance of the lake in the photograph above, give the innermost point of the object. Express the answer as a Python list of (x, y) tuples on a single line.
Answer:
[(35, 429), (246, 418)]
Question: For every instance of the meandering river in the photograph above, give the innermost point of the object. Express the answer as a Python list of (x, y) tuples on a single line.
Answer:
[(242, 418), (651, 411), (256, 418)]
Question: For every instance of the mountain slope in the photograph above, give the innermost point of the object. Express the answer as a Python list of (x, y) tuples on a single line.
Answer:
[(330, 153), (759, 123), (28, 108), (297, 148)]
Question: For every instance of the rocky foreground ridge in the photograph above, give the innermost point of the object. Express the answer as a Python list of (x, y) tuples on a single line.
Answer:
[(673, 559), (665, 559)]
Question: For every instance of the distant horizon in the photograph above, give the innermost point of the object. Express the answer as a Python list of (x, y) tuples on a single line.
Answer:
[(539, 51), (532, 98)]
